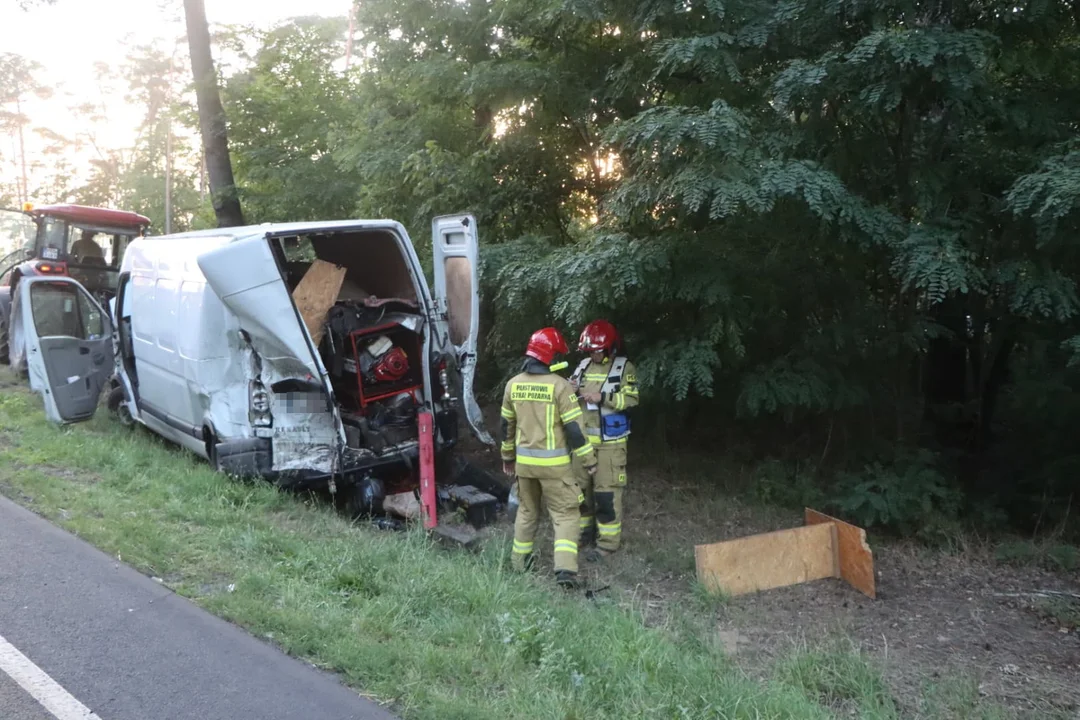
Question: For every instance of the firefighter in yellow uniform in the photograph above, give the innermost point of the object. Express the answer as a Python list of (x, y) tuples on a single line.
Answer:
[(540, 431), (606, 383)]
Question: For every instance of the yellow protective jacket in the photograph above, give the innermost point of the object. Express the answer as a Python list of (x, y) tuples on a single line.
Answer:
[(618, 393), (540, 425)]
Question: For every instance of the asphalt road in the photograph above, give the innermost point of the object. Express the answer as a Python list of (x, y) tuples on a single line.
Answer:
[(129, 649)]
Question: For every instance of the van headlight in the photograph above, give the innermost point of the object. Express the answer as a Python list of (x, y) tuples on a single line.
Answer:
[(259, 402)]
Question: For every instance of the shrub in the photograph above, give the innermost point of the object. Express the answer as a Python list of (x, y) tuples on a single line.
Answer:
[(910, 495)]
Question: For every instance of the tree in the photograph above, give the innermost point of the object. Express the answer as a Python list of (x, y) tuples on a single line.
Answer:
[(843, 223), (17, 83), (212, 122), (288, 106), (838, 231)]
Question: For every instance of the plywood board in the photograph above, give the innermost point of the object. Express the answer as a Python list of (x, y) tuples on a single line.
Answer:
[(768, 560), (316, 293), (855, 560)]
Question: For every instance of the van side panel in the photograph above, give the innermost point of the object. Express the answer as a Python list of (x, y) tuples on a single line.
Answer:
[(156, 361), (180, 334)]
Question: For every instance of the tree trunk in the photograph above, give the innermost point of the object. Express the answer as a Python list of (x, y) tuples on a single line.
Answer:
[(24, 186), (994, 383), (211, 118)]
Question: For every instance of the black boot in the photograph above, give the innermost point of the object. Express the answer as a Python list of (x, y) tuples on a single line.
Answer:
[(566, 579)]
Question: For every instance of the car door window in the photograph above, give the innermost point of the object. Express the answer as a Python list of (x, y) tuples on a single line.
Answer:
[(90, 317), (62, 310)]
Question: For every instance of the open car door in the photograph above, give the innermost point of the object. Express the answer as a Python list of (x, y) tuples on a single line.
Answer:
[(245, 275), (68, 340), (457, 295)]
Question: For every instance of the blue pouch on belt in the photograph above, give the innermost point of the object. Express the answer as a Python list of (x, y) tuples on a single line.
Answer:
[(614, 425)]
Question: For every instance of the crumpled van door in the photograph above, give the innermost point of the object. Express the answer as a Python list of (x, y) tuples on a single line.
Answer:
[(457, 295), (68, 341), (245, 275)]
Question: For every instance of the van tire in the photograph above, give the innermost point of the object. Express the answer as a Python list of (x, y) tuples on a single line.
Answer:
[(211, 449), (5, 349), (117, 406)]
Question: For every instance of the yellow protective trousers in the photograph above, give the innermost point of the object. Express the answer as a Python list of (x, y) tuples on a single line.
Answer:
[(563, 502), (602, 511)]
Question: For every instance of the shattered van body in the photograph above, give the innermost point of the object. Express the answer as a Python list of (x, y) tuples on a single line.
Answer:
[(213, 352)]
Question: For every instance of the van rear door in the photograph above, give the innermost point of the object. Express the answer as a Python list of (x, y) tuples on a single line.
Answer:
[(245, 275), (68, 340), (457, 296)]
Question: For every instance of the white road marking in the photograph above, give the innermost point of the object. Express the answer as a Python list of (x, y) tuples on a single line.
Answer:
[(58, 701)]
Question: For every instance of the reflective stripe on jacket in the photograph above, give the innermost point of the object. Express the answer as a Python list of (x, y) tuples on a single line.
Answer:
[(536, 411), (619, 392)]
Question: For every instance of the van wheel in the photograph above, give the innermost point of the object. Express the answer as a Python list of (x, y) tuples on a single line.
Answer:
[(211, 449), (5, 350), (117, 406)]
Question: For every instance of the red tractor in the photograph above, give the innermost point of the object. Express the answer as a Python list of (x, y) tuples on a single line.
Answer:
[(84, 243)]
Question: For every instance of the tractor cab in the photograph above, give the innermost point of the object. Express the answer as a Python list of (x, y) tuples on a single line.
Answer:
[(83, 243)]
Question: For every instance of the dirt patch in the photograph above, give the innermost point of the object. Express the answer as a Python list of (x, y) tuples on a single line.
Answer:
[(75, 476), (938, 617), (13, 493)]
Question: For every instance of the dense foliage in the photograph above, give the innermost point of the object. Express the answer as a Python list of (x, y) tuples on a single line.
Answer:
[(841, 233)]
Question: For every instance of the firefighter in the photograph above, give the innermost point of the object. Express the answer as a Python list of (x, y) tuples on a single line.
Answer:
[(540, 431), (606, 383)]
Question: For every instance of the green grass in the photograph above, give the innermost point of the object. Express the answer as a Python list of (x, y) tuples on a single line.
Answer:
[(840, 678), (432, 632), (959, 698), (1049, 555), (436, 633), (1063, 611)]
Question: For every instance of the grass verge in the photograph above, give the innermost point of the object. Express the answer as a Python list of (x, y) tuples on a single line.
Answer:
[(435, 633)]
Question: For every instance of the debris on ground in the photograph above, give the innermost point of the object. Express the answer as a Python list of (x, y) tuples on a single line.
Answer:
[(404, 504), (457, 536), (823, 547)]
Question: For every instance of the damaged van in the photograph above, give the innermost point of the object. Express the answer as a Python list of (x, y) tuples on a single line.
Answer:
[(301, 352)]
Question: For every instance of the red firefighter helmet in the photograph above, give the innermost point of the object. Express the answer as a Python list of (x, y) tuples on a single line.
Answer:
[(599, 335), (545, 344)]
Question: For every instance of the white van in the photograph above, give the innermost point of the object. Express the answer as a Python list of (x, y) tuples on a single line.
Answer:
[(212, 352)]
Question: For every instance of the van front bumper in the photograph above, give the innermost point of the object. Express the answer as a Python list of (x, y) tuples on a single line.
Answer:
[(246, 457), (254, 457)]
